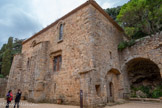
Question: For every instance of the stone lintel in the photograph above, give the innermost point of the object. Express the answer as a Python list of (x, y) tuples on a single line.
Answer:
[(86, 71)]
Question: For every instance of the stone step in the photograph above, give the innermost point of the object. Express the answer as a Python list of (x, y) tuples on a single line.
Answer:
[(146, 99)]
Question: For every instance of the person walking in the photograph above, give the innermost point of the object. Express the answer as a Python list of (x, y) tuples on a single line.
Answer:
[(17, 99), (9, 98)]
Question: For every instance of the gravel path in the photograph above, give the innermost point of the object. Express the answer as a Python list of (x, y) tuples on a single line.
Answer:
[(127, 105)]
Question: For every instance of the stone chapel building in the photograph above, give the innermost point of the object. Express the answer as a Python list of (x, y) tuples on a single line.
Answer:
[(80, 52)]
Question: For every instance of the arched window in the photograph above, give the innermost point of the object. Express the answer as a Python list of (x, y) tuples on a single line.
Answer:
[(61, 32)]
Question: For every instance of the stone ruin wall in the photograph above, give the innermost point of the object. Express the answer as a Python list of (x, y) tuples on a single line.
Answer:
[(38, 82), (104, 40), (15, 77), (3, 85), (149, 47)]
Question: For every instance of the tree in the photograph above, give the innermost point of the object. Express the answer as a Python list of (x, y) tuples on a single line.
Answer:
[(17, 46), (7, 57), (141, 17), (1, 55), (113, 12), (6, 62), (7, 53)]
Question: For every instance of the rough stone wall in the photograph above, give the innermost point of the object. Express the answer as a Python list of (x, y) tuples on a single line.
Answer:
[(147, 48), (15, 77), (90, 61), (3, 85), (104, 41), (36, 68), (39, 81), (89, 52)]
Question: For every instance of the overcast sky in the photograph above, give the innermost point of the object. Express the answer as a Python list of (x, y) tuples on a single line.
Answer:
[(22, 18)]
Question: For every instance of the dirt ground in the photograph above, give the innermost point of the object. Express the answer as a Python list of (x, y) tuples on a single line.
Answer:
[(25, 104), (138, 105)]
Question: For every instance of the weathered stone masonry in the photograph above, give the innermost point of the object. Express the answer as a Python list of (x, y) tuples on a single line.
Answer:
[(90, 60), (3, 85), (148, 49)]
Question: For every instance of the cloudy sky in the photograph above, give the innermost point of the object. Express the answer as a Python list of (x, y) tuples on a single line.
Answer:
[(22, 18)]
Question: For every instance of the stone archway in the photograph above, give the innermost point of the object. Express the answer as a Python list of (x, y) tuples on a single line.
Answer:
[(112, 85), (143, 73)]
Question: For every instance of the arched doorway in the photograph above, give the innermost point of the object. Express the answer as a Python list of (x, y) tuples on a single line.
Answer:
[(143, 77), (112, 82)]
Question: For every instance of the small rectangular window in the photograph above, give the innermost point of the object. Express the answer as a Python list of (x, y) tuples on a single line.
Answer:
[(57, 61), (61, 32), (98, 90)]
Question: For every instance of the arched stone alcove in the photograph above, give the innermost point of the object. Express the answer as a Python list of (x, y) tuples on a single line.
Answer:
[(142, 74)]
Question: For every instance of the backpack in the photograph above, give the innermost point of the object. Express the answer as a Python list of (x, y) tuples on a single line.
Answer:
[(9, 97)]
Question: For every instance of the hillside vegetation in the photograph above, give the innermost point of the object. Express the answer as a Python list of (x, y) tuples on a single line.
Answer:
[(138, 18)]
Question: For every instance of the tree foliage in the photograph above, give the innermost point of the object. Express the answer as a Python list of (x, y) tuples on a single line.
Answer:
[(113, 12), (122, 45), (6, 58), (17, 46), (7, 52), (141, 17)]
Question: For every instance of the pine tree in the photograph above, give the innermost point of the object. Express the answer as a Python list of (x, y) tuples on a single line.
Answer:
[(7, 57), (1, 56)]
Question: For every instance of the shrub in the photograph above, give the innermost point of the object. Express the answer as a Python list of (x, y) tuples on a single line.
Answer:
[(139, 35), (145, 89), (148, 90), (1, 76), (133, 93), (131, 43), (157, 92), (124, 44)]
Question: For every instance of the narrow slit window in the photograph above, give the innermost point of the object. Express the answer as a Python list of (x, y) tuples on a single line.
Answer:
[(98, 90), (61, 32), (28, 63), (111, 89), (110, 55)]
